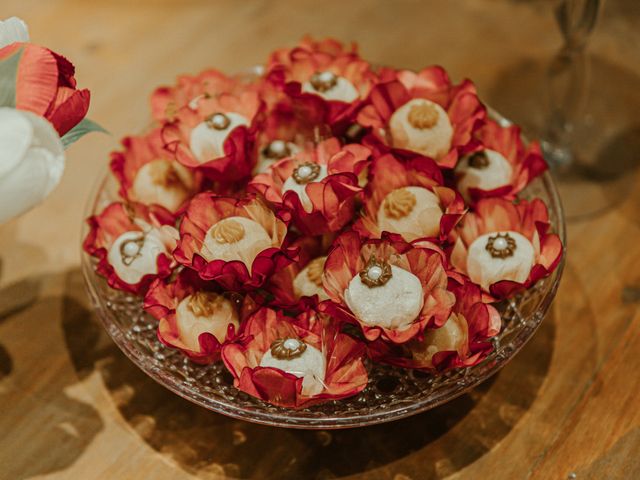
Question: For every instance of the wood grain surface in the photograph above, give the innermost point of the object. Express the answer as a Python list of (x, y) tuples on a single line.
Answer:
[(73, 407)]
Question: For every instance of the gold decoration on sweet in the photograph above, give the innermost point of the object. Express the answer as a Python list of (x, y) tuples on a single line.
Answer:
[(227, 231), (277, 150), (399, 203), (205, 304), (423, 116), (479, 160), (323, 81), (130, 250), (164, 174), (287, 348), (501, 246), (375, 273), (315, 269), (171, 111), (306, 173), (218, 121)]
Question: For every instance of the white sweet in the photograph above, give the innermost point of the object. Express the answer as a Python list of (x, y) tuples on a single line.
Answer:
[(13, 30), (496, 174), (422, 221), (141, 260), (300, 188), (207, 142), (311, 366), (305, 286), (433, 142), (394, 305), (264, 162), (486, 270), (342, 91), (254, 240), (452, 336), (190, 325), (162, 182)]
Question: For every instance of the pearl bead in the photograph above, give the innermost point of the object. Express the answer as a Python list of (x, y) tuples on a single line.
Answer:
[(291, 344), (326, 77), (500, 243), (278, 147), (219, 121), (374, 273), (304, 171), (130, 249)]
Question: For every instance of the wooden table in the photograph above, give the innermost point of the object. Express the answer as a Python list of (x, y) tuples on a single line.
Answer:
[(72, 406)]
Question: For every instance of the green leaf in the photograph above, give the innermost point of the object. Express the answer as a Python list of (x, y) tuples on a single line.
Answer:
[(80, 130), (8, 74)]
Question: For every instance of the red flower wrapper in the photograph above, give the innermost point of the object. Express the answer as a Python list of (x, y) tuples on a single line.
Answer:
[(396, 289), (166, 101), (195, 317), (330, 367), (328, 70), (46, 86), (239, 243), (133, 245), (216, 133), (463, 341), (148, 174), (506, 247), (408, 198), (502, 167), (423, 113), (318, 187)]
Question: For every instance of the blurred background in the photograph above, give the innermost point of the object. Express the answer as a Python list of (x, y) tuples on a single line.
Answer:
[(79, 409)]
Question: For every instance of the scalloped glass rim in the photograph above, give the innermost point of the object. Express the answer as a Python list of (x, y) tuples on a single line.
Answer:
[(392, 393)]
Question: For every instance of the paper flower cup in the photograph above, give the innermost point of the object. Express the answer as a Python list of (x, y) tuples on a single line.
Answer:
[(506, 247), (133, 245), (318, 187), (239, 243), (407, 197), (148, 174), (391, 288), (267, 362), (45, 85), (195, 317), (501, 167), (423, 113), (216, 134), (328, 70), (463, 340)]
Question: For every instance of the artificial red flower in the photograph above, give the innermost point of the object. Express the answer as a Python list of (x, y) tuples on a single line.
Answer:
[(148, 174), (388, 174), (344, 372), (523, 163), (245, 231), (168, 300), (46, 86), (506, 240), (463, 341), (350, 258), (460, 103), (318, 186), (132, 244)]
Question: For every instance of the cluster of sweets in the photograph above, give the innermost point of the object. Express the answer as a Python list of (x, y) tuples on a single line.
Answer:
[(264, 214)]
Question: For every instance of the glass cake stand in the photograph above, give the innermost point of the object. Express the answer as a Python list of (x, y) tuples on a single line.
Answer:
[(392, 393)]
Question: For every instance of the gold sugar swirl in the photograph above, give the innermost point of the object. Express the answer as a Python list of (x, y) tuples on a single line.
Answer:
[(399, 203), (315, 269), (479, 160), (280, 351), (423, 116), (227, 231), (164, 174), (205, 304)]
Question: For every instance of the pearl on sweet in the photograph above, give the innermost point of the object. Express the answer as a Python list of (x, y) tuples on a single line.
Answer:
[(500, 243), (278, 147), (134, 255), (131, 248), (374, 272), (304, 171), (219, 121), (300, 178), (291, 344), (495, 172), (207, 138), (331, 87)]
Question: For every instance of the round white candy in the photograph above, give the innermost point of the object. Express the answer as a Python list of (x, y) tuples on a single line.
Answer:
[(190, 326), (146, 188), (422, 221), (485, 270), (142, 260), (291, 184), (394, 305), (342, 91), (207, 143), (277, 146), (303, 286), (311, 365), (496, 174), (433, 142), (254, 240)]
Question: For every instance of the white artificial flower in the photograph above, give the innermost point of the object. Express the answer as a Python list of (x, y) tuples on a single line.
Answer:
[(13, 30), (31, 161)]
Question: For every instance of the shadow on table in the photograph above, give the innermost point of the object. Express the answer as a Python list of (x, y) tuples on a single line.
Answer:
[(430, 445)]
